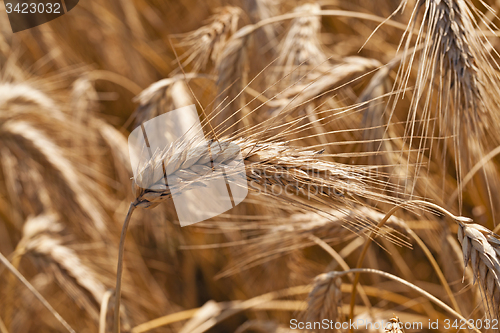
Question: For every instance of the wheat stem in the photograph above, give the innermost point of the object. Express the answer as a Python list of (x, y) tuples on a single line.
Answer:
[(410, 285), (35, 292), (119, 270), (104, 310), (436, 267), (471, 174)]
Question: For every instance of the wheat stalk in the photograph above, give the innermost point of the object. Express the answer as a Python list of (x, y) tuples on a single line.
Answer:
[(302, 46)]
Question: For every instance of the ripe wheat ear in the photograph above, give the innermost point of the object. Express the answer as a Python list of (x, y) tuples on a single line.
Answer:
[(481, 247), (338, 184)]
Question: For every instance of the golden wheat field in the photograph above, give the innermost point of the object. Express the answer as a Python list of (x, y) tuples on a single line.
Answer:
[(362, 138)]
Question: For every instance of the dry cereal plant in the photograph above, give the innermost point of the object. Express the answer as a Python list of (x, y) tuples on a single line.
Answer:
[(295, 166)]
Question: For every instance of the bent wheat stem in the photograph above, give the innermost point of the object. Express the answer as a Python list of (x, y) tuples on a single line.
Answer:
[(372, 235), (119, 270), (104, 309), (468, 177), (410, 285)]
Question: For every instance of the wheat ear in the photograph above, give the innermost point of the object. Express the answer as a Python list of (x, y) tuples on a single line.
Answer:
[(302, 46), (267, 164), (325, 299), (208, 41), (481, 247), (40, 237)]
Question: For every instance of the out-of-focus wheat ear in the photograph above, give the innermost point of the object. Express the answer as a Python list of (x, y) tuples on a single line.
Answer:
[(349, 70), (152, 101), (28, 303), (41, 240), (32, 289), (230, 82), (40, 144), (261, 10), (325, 299), (302, 46), (83, 99), (481, 247), (118, 146), (373, 116), (25, 95), (208, 41), (181, 96), (394, 326), (163, 96)]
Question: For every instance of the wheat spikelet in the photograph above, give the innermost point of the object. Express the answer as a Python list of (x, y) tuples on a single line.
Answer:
[(482, 248), (209, 41), (394, 326), (325, 299)]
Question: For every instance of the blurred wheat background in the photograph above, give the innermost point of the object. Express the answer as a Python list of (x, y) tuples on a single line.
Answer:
[(390, 107)]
